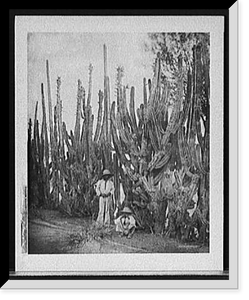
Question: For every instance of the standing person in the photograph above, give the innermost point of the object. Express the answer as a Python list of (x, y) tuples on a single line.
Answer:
[(105, 191)]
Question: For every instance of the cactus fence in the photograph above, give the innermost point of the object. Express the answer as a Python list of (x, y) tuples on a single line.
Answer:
[(159, 152)]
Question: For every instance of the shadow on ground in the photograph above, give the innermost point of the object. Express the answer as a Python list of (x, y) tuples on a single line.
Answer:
[(50, 232)]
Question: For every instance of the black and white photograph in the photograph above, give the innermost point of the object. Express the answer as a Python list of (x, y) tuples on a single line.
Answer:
[(120, 142)]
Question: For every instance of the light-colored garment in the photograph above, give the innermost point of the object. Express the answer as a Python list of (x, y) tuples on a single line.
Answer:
[(125, 223), (104, 188)]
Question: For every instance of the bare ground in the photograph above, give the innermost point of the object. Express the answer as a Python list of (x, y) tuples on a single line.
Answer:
[(50, 232)]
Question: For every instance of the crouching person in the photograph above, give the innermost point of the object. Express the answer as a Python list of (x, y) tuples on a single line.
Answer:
[(125, 223)]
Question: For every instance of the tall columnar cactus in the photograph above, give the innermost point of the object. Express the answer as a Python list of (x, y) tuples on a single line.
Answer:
[(59, 115), (90, 137), (106, 103), (50, 106), (103, 130), (145, 93), (100, 115), (35, 129), (89, 96), (132, 112), (115, 138), (55, 162), (44, 136), (89, 123), (78, 112)]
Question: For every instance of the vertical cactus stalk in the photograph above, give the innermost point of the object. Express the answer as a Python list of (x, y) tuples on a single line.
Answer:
[(180, 91), (153, 140), (109, 108), (145, 93), (156, 131), (84, 102), (181, 146), (199, 75), (45, 132), (120, 75), (55, 158), (198, 129), (115, 138), (81, 145), (35, 127), (116, 180), (105, 75), (100, 113), (186, 105), (66, 138), (121, 131), (153, 87), (50, 108), (193, 102), (44, 136), (83, 114), (199, 156), (149, 87), (89, 96), (191, 144), (59, 112), (124, 106), (106, 104), (55, 128), (39, 147), (104, 128), (60, 151), (90, 134), (86, 142), (78, 112), (132, 111), (42, 165)]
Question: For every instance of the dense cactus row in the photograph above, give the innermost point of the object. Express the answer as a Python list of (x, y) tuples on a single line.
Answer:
[(159, 152), (158, 141)]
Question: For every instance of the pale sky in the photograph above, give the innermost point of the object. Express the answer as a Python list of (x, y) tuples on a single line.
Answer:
[(69, 56)]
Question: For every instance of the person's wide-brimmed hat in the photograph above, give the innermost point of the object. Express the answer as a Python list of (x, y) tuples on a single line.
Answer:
[(126, 210), (107, 173)]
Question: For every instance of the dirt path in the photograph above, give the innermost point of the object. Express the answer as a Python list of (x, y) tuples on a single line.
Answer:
[(52, 233), (47, 239)]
